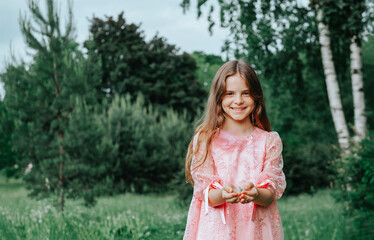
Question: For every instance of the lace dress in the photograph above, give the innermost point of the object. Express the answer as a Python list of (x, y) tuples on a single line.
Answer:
[(237, 160)]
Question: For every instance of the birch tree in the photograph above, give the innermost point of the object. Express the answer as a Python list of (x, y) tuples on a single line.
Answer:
[(357, 90), (355, 17), (332, 83), (361, 16)]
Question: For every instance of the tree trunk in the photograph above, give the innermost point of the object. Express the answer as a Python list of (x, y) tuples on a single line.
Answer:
[(332, 85), (358, 90), (61, 199)]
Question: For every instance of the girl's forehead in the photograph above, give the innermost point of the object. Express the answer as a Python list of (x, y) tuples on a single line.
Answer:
[(235, 82)]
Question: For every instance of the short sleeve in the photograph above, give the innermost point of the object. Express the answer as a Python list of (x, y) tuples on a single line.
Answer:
[(272, 176), (203, 175)]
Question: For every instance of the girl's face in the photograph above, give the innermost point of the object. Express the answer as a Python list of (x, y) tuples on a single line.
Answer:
[(237, 102)]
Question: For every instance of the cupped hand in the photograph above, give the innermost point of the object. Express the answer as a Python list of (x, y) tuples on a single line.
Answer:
[(249, 194), (228, 194)]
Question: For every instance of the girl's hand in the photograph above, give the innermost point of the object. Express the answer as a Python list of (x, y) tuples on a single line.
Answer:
[(249, 194), (228, 194)]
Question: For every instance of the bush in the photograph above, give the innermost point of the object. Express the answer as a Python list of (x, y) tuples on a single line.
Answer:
[(354, 185), (89, 155), (151, 148)]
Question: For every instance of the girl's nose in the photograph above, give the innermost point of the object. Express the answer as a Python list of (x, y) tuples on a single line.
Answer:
[(238, 99)]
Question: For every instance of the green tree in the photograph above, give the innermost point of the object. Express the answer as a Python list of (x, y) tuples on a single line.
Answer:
[(129, 64), (40, 98)]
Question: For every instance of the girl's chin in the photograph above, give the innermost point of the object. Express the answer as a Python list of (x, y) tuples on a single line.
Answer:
[(239, 118)]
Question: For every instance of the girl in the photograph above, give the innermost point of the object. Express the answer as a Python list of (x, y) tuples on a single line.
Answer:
[(234, 162)]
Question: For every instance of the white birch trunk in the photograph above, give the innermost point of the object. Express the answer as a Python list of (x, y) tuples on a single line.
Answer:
[(358, 91), (332, 85)]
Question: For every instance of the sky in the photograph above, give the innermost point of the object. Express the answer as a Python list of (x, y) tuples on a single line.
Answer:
[(164, 17)]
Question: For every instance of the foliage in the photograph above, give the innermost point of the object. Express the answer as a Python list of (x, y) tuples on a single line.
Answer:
[(347, 17), (207, 66), (135, 216), (151, 147), (354, 184), (7, 156), (89, 155), (129, 64)]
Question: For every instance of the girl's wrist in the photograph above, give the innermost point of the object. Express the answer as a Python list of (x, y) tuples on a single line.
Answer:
[(215, 197), (264, 197)]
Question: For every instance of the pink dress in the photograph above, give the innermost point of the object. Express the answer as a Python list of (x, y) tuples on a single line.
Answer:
[(237, 160)]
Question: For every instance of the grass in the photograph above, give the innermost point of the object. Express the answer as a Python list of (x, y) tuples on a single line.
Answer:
[(126, 216), (133, 216), (312, 217)]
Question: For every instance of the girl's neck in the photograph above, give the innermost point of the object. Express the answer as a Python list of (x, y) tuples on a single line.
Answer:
[(238, 128)]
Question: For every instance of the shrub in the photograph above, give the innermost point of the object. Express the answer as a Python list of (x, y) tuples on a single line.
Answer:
[(151, 148), (354, 185)]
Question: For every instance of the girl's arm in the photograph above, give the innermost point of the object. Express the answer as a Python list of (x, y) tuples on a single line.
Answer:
[(271, 182)]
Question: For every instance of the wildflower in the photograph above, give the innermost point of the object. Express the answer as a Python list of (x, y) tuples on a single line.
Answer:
[(28, 168)]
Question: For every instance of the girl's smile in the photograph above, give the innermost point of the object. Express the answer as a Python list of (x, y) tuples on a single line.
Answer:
[(239, 110)]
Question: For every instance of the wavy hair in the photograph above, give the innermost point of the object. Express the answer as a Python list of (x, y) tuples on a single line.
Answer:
[(214, 115)]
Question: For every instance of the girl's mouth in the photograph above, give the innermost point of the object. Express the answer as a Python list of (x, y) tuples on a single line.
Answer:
[(239, 109)]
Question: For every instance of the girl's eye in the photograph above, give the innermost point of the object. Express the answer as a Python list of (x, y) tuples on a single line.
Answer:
[(246, 93), (229, 93)]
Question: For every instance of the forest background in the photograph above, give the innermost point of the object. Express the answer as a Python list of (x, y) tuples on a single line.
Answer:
[(115, 115)]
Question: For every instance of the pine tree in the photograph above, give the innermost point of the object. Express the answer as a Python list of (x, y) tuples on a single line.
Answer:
[(40, 98), (151, 147), (90, 154)]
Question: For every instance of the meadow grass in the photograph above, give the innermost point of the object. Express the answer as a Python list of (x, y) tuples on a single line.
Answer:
[(131, 216), (315, 216)]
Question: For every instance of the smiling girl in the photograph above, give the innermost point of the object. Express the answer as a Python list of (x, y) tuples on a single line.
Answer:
[(234, 162)]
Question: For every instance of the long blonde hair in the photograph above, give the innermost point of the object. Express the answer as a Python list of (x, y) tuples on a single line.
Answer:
[(214, 115)]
